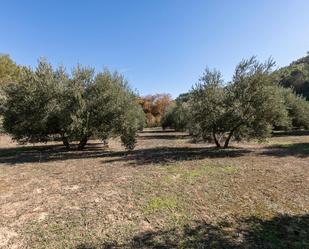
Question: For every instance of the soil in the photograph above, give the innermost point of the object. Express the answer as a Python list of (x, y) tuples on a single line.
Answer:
[(167, 193)]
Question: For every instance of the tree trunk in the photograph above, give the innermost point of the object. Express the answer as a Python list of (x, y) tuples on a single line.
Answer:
[(82, 143), (65, 142), (226, 143), (216, 140)]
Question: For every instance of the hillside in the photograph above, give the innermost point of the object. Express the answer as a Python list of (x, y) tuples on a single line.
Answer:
[(296, 75)]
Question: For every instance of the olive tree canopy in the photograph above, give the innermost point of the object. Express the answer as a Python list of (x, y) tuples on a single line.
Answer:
[(46, 102), (247, 107)]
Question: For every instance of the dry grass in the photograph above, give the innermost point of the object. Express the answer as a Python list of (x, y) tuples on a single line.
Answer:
[(168, 193)]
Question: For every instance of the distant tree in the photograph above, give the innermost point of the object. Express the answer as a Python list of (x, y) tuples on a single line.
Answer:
[(48, 102), (246, 108), (297, 107), (177, 115), (154, 107), (295, 76), (147, 104), (168, 118)]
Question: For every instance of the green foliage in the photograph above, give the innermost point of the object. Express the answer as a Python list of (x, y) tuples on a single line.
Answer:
[(298, 109), (295, 76), (167, 120), (26, 106), (177, 114), (9, 71), (46, 102), (246, 108)]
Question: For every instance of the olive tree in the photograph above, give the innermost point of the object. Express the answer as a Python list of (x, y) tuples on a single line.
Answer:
[(9, 70), (47, 102), (245, 108), (297, 107), (9, 73)]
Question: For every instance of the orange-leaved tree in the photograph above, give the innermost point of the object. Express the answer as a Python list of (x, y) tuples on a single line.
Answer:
[(154, 107)]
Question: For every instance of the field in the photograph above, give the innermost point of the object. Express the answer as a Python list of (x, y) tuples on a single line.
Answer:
[(167, 193)]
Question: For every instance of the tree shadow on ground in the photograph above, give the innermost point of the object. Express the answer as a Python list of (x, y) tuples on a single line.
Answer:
[(152, 155), (157, 130), (137, 157), (161, 155), (163, 134), (283, 150), (155, 155), (290, 133), (47, 153), (284, 232), (166, 136)]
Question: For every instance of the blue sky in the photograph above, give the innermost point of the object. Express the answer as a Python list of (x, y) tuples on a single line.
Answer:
[(159, 45)]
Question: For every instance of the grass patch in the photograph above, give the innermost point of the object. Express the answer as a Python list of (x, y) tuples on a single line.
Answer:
[(170, 209), (280, 143), (193, 174), (170, 186), (228, 169), (162, 203)]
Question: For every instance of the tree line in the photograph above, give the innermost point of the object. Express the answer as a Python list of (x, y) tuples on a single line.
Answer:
[(44, 103)]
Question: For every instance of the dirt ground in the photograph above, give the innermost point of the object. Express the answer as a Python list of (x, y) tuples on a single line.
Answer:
[(167, 193)]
